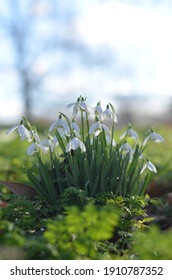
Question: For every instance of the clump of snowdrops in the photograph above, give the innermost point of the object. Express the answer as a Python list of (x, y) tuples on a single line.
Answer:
[(83, 156)]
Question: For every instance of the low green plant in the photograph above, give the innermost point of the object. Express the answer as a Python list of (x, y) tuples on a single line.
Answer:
[(74, 234), (77, 234), (110, 229), (10, 234), (83, 157), (157, 245)]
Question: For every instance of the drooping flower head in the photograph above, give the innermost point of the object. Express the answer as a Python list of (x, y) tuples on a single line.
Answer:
[(74, 144), (50, 143), (153, 136), (36, 145), (61, 125), (130, 133), (22, 131), (110, 113), (98, 127), (126, 148), (150, 166), (80, 105), (98, 110), (75, 128)]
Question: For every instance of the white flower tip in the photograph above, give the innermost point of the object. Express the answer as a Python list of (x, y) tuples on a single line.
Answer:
[(52, 126), (155, 137), (74, 144), (123, 135), (31, 149), (151, 167), (11, 129), (115, 119)]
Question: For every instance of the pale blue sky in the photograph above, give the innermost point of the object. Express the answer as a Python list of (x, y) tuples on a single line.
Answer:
[(138, 35)]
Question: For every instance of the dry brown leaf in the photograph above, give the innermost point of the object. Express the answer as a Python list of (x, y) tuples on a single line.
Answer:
[(3, 204), (20, 189)]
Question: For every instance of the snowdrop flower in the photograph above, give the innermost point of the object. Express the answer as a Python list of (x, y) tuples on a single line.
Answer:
[(63, 133), (87, 108), (98, 127), (110, 113), (49, 143), (149, 165), (126, 148), (155, 137), (74, 144), (109, 140), (35, 136), (61, 125), (34, 147), (98, 110), (75, 128), (130, 133), (79, 105), (55, 141), (76, 107), (22, 131)]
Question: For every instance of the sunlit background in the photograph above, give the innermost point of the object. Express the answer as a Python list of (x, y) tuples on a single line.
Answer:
[(117, 51)]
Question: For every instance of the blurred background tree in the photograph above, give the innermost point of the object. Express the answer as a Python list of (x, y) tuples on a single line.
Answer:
[(36, 30), (52, 51), (44, 41)]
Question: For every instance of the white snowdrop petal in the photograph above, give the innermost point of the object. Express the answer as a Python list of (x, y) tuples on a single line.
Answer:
[(126, 147), (13, 128), (151, 167), (146, 140), (63, 124), (36, 137), (93, 127), (123, 135), (31, 149), (75, 127), (55, 141), (42, 148), (75, 109), (82, 146), (24, 133), (133, 134), (143, 168), (115, 119), (53, 125), (68, 147), (156, 137), (97, 132), (98, 110), (106, 129), (74, 143), (69, 105), (83, 105), (108, 113)]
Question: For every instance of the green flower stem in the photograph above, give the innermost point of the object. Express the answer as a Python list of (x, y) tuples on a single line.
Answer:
[(87, 132), (82, 125), (61, 142), (112, 136)]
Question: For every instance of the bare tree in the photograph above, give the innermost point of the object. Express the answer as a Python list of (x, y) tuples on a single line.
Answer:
[(40, 31), (18, 26), (22, 24)]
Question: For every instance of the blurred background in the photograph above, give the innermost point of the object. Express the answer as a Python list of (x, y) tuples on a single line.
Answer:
[(117, 51)]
